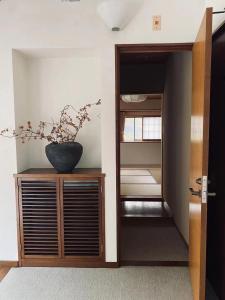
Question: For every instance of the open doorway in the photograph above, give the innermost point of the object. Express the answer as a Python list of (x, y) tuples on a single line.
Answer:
[(153, 85), (186, 114), (141, 147)]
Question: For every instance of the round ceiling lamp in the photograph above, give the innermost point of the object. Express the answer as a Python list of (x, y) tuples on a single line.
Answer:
[(134, 98), (117, 13)]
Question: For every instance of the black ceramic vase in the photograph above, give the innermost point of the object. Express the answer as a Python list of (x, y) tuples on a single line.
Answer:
[(64, 157)]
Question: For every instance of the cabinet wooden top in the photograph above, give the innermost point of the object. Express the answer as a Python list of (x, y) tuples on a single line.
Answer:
[(50, 172)]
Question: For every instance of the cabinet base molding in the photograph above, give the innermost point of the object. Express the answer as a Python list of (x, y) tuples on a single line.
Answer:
[(67, 263)]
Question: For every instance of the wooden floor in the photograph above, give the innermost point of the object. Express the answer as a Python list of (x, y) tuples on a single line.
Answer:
[(3, 272)]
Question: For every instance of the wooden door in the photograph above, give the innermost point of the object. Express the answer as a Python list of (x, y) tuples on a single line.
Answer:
[(83, 218), (199, 154), (39, 218), (216, 206)]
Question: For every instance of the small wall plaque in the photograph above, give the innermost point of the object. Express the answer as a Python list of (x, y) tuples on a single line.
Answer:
[(156, 23)]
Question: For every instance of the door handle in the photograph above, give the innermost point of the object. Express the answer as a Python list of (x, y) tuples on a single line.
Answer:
[(203, 192), (212, 194), (199, 193), (195, 193)]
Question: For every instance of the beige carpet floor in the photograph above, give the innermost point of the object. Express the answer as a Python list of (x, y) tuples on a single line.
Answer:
[(128, 283)]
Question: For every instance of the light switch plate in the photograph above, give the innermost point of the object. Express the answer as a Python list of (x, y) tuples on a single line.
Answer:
[(156, 23)]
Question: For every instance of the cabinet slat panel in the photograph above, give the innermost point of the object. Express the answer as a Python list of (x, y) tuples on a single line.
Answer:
[(39, 217), (81, 218)]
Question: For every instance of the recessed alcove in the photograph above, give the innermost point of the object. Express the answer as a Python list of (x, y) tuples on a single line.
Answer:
[(45, 80)]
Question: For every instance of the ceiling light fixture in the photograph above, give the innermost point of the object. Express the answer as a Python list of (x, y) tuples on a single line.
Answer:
[(134, 98), (117, 13)]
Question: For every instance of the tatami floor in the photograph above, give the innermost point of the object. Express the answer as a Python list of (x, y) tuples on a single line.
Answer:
[(126, 283), (140, 181)]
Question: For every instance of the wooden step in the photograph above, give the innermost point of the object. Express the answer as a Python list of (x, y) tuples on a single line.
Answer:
[(142, 198), (145, 210)]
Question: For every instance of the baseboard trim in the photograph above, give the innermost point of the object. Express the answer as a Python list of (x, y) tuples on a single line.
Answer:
[(112, 265), (15, 264), (8, 264), (154, 263)]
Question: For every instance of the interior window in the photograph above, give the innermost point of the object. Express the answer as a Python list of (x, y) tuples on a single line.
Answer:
[(152, 127), (137, 129), (129, 130)]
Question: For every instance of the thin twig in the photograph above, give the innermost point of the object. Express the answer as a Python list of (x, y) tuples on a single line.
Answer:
[(65, 130)]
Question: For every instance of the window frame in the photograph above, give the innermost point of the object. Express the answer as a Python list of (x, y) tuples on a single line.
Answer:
[(151, 140), (140, 114)]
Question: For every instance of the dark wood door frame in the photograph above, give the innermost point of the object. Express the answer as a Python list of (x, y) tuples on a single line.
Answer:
[(133, 48)]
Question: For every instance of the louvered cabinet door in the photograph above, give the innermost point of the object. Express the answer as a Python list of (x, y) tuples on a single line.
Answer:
[(39, 218), (83, 218)]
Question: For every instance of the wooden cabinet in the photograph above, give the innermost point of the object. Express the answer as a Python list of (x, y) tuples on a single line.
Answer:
[(60, 218)]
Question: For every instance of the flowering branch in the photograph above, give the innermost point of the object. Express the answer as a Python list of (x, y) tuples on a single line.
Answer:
[(65, 130)]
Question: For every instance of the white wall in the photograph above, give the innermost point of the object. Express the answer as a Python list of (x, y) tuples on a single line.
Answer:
[(8, 234), (46, 87), (176, 146), (57, 24), (218, 5), (20, 81), (140, 153)]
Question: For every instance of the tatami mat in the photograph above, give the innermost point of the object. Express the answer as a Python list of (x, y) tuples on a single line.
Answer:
[(144, 182)]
